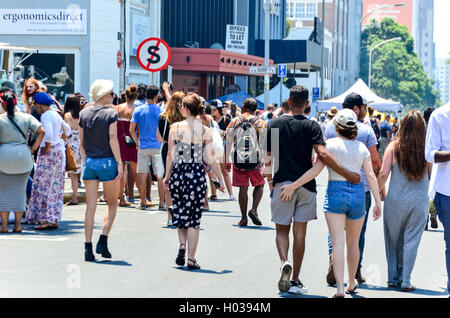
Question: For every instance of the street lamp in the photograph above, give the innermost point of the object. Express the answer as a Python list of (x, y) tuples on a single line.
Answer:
[(270, 7), (360, 27), (370, 55)]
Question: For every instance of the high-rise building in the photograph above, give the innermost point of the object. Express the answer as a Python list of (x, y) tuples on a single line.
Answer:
[(342, 20), (443, 79)]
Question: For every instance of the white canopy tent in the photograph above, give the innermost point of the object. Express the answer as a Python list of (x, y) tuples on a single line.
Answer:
[(380, 104), (274, 94)]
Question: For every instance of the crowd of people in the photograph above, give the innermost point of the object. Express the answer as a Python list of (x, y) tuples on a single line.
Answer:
[(180, 141)]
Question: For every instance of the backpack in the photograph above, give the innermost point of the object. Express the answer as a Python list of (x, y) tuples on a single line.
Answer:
[(246, 152), (375, 128)]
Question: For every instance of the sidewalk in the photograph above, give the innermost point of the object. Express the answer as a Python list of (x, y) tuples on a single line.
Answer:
[(82, 197)]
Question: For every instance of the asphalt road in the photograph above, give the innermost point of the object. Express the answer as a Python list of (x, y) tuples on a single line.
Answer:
[(236, 262)]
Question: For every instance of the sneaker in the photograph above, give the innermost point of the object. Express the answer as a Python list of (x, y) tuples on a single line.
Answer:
[(331, 280), (297, 288), (131, 200), (434, 223), (284, 283), (232, 198)]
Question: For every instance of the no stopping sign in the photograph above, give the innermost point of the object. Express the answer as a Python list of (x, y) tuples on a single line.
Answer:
[(153, 54)]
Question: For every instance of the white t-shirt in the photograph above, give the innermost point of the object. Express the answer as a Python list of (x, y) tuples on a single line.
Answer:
[(350, 154), (53, 123)]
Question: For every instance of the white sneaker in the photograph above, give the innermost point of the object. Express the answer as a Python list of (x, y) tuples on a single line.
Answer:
[(284, 283), (232, 198), (297, 288)]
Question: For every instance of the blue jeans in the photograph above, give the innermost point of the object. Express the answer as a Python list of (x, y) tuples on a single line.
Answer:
[(362, 237), (442, 203)]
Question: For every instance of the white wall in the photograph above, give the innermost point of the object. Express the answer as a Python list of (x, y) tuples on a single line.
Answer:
[(104, 25)]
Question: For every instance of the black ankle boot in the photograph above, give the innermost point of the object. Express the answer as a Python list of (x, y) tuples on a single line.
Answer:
[(102, 247), (88, 254)]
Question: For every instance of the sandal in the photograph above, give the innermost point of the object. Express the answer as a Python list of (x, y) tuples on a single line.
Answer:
[(17, 230), (195, 266), (243, 222), (181, 254), (4, 230), (46, 226), (125, 204), (71, 203), (352, 292), (254, 217), (213, 198)]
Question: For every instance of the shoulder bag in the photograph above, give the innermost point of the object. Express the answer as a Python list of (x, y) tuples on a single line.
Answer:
[(71, 162), (160, 169)]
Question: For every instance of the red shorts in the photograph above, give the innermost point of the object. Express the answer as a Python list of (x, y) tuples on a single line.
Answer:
[(240, 178)]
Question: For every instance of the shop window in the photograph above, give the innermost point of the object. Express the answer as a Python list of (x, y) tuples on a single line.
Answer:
[(56, 71)]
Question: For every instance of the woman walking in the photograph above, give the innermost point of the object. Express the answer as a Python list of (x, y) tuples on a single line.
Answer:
[(344, 202), (185, 177), (47, 195), (72, 109), (405, 219), (102, 163), (16, 162), (128, 151), (170, 116)]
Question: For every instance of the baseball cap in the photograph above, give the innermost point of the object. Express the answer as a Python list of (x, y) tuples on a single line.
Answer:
[(352, 100), (346, 118), (215, 104), (43, 99)]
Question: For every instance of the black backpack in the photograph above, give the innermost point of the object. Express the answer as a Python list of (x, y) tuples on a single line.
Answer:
[(246, 152), (375, 128)]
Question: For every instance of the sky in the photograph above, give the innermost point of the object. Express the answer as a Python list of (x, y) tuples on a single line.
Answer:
[(442, 27)]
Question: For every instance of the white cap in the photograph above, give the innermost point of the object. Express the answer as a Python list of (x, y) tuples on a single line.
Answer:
[(346, 118), (101, 88)]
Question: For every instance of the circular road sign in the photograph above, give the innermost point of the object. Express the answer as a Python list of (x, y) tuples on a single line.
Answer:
[(153, 54)]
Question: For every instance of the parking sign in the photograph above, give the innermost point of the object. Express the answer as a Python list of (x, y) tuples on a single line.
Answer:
[(282, 70)]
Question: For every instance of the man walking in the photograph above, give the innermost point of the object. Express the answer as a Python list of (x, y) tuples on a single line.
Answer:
[(145, 121), (243, 136), (366, 135), (296, 136), (437, 151)]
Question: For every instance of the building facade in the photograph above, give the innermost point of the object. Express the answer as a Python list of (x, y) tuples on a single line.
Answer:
[(443, 79), (342, 22)]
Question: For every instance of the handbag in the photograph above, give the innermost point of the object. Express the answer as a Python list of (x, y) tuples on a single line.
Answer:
[(160, 169), (128, 140), (71, 162)]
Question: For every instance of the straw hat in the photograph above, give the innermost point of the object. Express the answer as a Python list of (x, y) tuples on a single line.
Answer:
[(333, 111)]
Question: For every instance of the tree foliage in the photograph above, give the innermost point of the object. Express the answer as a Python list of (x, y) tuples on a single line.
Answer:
[(397, 72)]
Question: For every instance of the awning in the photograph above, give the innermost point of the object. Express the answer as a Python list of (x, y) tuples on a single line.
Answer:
[(380, 104), (274, 94)]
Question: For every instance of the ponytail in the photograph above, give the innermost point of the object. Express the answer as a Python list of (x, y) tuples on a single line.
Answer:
[(9, 101)]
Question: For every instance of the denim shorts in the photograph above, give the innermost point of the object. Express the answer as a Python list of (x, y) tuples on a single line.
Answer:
[(343, 197), (101, 169)]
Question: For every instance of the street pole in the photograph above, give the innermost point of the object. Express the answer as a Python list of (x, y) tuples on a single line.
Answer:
[(370, 55), (323, 49), (267, 7)]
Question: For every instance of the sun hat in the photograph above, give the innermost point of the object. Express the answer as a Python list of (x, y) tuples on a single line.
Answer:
[(333, 111), (346, 118), (43, 98), (101, 88)]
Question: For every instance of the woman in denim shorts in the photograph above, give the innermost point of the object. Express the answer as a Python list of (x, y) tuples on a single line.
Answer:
[(344, 202), (102, 163)]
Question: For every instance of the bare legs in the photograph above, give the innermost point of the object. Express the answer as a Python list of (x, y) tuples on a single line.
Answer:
[(5, 220), (74, 178), (190, 236), (226, 178), (338, 224), (141, 181)]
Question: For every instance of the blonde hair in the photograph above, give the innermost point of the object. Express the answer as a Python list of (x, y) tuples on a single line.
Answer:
[(172, 111), (101, 88)]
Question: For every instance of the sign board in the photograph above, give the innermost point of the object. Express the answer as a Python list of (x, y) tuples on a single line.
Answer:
[(140, 31), (237, 38), (69, 21), (119, 59), (153, 54), (282, 70), (316, 93), (261, 70)]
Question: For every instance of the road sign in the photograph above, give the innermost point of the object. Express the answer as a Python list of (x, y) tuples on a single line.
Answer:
[(153, 54), (119, 59), (316, 92), (261, 70), (282, 70)]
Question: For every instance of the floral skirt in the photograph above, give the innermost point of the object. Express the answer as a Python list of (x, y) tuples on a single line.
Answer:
[(47, 195)]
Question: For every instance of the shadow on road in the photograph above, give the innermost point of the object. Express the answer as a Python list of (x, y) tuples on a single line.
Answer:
[(204, 271), (114, 263), (64, 228), (250, 227), (426, 292), (286, 295), (214, 211)]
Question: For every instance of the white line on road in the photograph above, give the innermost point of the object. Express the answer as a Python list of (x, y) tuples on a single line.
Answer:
[(58, 239)]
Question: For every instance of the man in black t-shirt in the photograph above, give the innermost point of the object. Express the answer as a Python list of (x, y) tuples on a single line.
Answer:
[(290, 142)]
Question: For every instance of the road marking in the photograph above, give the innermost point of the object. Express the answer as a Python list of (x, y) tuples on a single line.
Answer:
[(58, 239)]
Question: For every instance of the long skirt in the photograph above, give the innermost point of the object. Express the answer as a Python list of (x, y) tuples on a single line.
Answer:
[(47, 195)]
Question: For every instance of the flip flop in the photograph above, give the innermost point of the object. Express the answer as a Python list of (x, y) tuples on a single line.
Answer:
[(71, 203), (46, 226), (17, 231), (352, 292), (4, 230)]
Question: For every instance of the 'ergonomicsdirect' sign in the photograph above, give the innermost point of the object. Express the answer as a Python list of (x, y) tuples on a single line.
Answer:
[(43, 21)]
